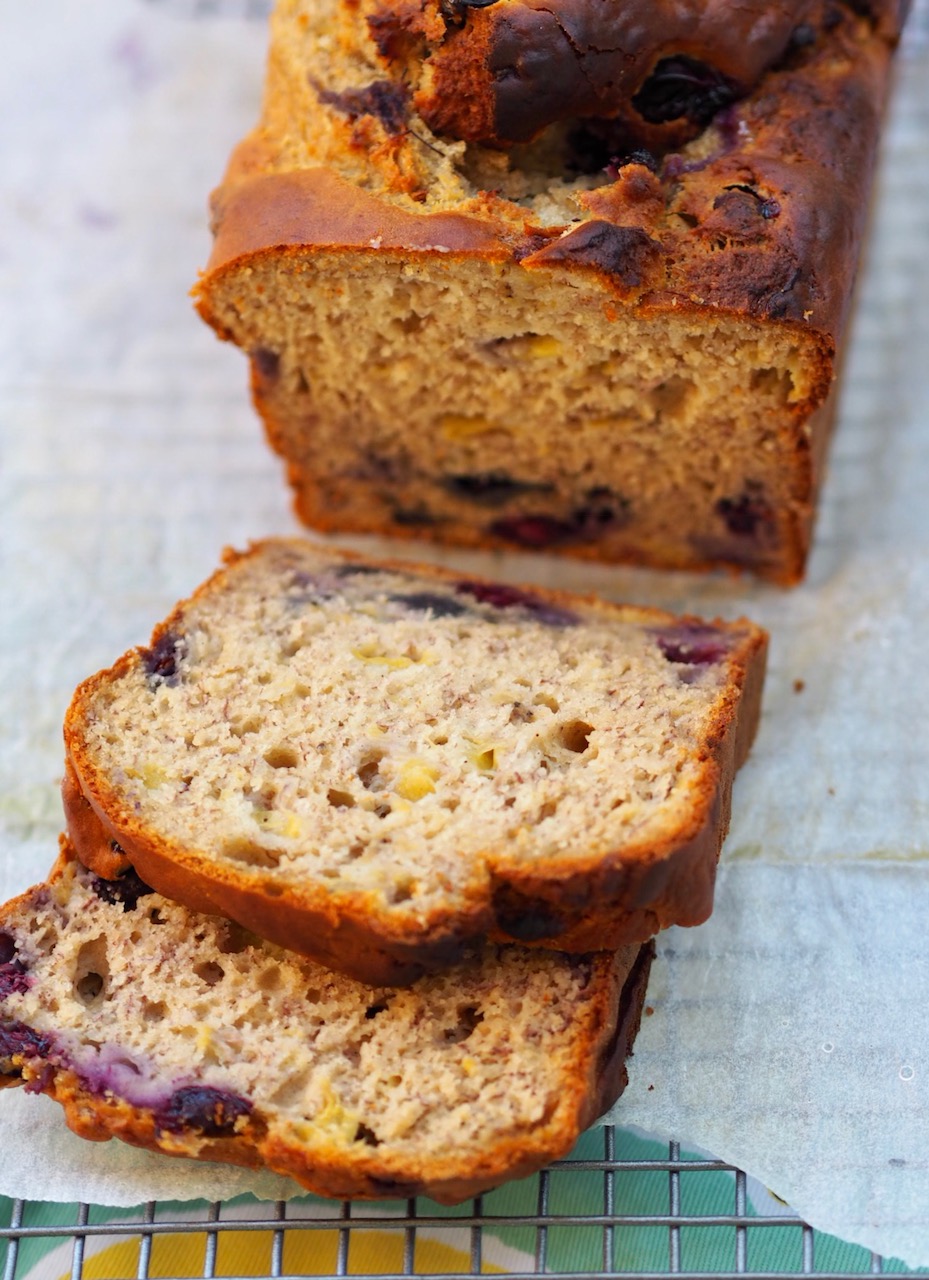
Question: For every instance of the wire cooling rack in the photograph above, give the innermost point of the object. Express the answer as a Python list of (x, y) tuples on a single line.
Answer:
[(606, 1210)]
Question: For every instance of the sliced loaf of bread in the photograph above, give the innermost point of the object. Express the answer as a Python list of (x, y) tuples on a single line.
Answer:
[(182, 1033), (380, 765)]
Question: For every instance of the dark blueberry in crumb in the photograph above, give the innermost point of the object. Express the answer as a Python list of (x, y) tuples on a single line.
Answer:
[(12, 972), (16, 1039), (618, 163), (7, 948), (352, 570), (430, 602), (603, 510), (126, 889), (537, 532), (692, 645), (266, 362), (213, 1112), (683, 87), (639, 157), (802, 36), (384, 99), (163, 659), (746, 515), (501, 596), (492, 488)]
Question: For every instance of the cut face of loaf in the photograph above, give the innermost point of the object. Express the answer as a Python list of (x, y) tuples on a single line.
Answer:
[(570, 344), (181, 1033), (377, 764)]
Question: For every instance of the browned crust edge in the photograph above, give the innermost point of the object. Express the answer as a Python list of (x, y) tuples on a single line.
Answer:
[(612, 898), (600, 1076)]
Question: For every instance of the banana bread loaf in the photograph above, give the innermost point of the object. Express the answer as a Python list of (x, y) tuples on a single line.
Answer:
[(182, 1033), (567, 275), (378, 765)]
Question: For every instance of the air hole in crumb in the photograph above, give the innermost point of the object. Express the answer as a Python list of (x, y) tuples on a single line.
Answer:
[(366, 1135), (469, 1015), (239, 728), (373, 1010), (210, 972), (291, 1090), (153, 1010), (403, 891), (521, 714), (774, 382), (575, 735), (450, 803), (383, 811), (264, 677), (313, 995), (282, 757), (233, 939), (155, 916), (91, 970), (89, 987), (546, 700), (369, 772), (439, 740), (269, 979), (671, 396), (250, 853), (547, 810), (340, 799)]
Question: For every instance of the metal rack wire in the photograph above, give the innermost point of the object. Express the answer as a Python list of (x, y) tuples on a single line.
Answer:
[(683, 1231)]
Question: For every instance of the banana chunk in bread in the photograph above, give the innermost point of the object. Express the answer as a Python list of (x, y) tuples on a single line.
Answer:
[(182, 1033), (378, 765), (568, 275)]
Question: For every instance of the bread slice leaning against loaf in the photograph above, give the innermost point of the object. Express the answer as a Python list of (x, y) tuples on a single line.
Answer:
[(182, 1033), (379, 765)]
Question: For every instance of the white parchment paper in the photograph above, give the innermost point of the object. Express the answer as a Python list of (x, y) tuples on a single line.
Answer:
[(790, 1035)]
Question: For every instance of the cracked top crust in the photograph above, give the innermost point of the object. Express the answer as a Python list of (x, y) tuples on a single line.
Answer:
[(502, 71), (761, 215)]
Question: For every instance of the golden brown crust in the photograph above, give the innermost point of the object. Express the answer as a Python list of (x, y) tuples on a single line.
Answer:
[(608, 899), (504, 72), (768, 225)]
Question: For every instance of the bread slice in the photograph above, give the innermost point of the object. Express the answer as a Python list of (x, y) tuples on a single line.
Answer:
[(567, 276), (182, 1033), (378, 765)]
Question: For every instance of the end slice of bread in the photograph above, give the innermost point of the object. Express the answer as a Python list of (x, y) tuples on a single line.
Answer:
[(182, 1033), (379, 765)]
